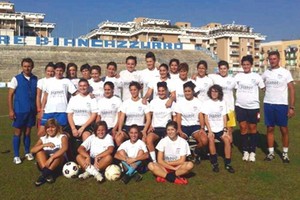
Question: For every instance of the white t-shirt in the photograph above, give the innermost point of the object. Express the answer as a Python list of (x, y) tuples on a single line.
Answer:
[(189, 111), (202, 86), (41, 84), (147, 76), (247, 92), (97, 88), (126, 77), (276, 81), (178, 85), (173, 150), (108, 110), (228, 84), (75, 81), (174, 76), (82, 108), (13, 84), (96, 145), (160, 113), (153, 86), (215, 110), (56, 140), (117, 83), (135, 112), (133, 149), (57, 90)]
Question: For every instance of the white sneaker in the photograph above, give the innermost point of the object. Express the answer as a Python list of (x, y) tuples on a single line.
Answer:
[(84, 175), (252, 157), (99, 177), (246, 156), (17, 160), (29, 156)]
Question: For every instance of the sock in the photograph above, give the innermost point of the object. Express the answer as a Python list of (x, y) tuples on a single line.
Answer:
[(16, 145), (46, 172), (92, 170), (171, 177), (227, 161), (131, 170), (244, 141), (285, 149), (271, 150), (26, 142), (253, 142), (153, 156), (213, 159)]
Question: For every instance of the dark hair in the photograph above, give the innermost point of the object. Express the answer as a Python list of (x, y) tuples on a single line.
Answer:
[(60, 65), (173, 124), (110, 84), (134, 126), (274, 53), (217, 88), (68, 68), (223, 62), (85, 66), (100, 123), (202, 62), (136, 84), (50, 64), (113, 64), (248, 58), (166, 67), (163, 85), (150, 55), (96, 67), (131, 58), (83, 80), (174, 60), (183, 66), (28, 60)]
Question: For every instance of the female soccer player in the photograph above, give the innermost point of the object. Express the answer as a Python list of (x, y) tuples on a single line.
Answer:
[(190, 119), (215, 111), (135, 112), (160, 117), (171, 157), (72, 73), (112, 76), (173, 64), (202, 81), (131, 153), (50, 151), (95, 153), (247, 107), (96, 84)]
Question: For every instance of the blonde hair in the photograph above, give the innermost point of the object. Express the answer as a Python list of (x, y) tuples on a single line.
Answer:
[(53, 122)]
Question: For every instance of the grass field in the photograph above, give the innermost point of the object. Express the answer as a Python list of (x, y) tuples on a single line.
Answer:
[(259, 180)]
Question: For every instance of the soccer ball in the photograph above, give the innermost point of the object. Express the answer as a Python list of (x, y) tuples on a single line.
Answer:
[(70, 170), (112, 172)]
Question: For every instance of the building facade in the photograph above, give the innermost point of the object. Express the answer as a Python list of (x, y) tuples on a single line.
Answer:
[(228, 42), (14, 23)]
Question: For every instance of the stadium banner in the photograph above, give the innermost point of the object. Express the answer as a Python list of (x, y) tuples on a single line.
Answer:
[(80, 42)]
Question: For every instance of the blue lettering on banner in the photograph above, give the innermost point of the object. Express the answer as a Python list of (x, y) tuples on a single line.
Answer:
[(97, 43), (133, 44), (4, 39), (122, 44), (178, 46), (68, 42), (42, 41), (19, 40), (156, 45), (83, 42), (143, 46), (168, 45), (109, 43), (56, 41)]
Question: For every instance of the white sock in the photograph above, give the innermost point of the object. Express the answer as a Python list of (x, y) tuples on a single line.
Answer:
[(285, 149), (153, 156), (271, 150), (92, 170)]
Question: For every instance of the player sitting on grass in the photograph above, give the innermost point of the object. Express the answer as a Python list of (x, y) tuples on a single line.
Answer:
[(50, 151), (131, 153), (95, 153), (171, 157)]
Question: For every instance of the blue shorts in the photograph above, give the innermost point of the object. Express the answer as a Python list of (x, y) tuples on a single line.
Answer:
[(190, 130), (276, 115), (24, 120), (251, 116), (218, 135), (61, 118), (160, 131)]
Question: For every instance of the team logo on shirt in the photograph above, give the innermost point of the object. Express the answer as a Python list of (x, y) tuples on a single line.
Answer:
[(194, 107), (221, 108), (279, 76), (88, 104), (140, 108), (253, 81), (177, 150), (113, 106)]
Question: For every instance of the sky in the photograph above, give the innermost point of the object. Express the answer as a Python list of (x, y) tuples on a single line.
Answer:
[(277, 19)]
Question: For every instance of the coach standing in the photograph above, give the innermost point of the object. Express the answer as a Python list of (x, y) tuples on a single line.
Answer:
[(277, 109)]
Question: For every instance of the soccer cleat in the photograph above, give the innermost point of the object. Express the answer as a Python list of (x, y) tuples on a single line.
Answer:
[(125, 179), (40, 181), (17, 160), (50, 179), (137, 177), (246, 156), (181, 181), (229, 168), (160, 179), (270, 157), (29, 156), (285, 158), (84, 175), (215, 168), (252, 157), (99, 177)]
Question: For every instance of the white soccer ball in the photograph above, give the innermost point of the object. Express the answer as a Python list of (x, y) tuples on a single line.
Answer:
[(70, 170), (112, 172)]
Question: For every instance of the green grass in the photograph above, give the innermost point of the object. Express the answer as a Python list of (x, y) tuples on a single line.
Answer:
[(259, 180)]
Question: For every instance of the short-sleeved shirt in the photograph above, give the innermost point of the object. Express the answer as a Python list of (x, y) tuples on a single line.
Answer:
[(153, 86), (202, 86), (108, 110), (96, 145), (126, 77), (160, 113), (132, 149), (56, 140), (189, 110)]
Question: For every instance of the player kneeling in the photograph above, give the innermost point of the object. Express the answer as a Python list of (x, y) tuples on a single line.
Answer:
[(171, 157), (50, 151), (131, 153), (95, 153)]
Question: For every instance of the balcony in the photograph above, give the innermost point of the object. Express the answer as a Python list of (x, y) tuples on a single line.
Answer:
[(234, 53), (234, 44)]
